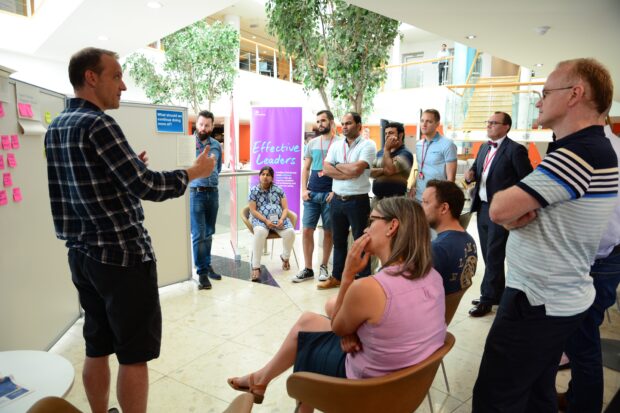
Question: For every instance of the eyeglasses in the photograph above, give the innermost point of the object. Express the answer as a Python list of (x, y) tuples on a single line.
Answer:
[(545, 92), (373, 218), (493, 123)]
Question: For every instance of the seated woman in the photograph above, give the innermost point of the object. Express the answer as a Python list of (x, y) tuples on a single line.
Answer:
[(268, 212), (380, 324)]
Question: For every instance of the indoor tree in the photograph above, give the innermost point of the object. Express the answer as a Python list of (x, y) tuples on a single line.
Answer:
[(340, 50), (199, 65)]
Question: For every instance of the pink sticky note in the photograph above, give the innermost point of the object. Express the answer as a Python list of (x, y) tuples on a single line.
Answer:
[(6, 142), (1, 161), (15, 141), (17, 194), (10, 159), (3, 200), (7, 179), (1, 110), (25, 110)]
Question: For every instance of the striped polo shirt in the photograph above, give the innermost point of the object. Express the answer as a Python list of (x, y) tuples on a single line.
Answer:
[(576, 185)]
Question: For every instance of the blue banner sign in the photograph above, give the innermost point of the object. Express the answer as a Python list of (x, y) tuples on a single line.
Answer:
[(170, 121)]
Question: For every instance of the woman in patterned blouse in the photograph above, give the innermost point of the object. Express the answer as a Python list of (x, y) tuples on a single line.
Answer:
[(268, 212)]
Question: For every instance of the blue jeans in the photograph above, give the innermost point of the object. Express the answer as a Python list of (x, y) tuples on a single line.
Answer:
[(203, 214), (585, 390), (317, 207), (350, 213)]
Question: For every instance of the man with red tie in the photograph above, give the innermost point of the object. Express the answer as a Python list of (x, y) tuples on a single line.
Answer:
[(500, 164)]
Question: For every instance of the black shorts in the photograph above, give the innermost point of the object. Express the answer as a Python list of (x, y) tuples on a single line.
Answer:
[(121, 306), (320, 352)]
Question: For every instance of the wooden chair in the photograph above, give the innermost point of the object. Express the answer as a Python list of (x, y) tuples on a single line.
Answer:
[(242, 404), (464, 219), (53, 404), (245, 217), (452, 303), (399, 392)]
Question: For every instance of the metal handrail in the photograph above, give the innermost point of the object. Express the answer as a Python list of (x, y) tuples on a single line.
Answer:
[(420, 62)]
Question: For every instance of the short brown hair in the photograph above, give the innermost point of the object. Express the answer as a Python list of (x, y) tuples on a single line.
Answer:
[(411, 245), (86, 59), (507, 120), (596, 76), (450, 193), (433, 112)]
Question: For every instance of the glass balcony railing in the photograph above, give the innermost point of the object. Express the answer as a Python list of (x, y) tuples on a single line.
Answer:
[(417, 72), (19, 7), (265, 60)]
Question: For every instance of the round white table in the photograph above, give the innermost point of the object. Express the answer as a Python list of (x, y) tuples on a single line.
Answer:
[(44, 374)]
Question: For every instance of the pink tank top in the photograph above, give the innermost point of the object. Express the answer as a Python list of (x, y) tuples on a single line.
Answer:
[(412, 327)]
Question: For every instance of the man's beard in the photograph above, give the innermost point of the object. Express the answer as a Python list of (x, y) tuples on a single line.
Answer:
[(202, 135), (322, 131)]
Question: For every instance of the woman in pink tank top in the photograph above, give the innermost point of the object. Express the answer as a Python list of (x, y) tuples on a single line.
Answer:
[(377, 324)]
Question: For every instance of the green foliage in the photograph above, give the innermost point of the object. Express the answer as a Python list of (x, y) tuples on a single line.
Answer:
[(340, 50), (200, 65)]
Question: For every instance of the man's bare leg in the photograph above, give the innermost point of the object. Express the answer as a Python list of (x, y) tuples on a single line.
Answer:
[(328, 243), (132, 387), (96, 378), (308, 241)]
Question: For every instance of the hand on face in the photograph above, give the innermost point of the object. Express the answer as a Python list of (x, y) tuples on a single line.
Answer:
[(357, 258)]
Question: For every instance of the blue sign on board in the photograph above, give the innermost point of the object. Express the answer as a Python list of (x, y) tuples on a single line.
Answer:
[(170, 121)]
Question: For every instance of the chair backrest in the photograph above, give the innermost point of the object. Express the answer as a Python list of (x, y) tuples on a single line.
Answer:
[(452, 303), (245, 217), (53, 404), (464, 219), (241, 404), (399, 392)]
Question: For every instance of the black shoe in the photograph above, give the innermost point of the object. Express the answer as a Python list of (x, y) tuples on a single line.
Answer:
[(477, 301), (203, 282), (480, 310), (562, 402), (113, 410), (212, 274)]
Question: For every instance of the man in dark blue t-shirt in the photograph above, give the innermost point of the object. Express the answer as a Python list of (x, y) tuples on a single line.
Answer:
[(454, 250)]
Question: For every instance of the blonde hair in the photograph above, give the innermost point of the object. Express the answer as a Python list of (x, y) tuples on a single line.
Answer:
[(411, 245)]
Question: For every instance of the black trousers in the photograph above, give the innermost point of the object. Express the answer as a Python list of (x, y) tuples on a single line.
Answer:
[(521, 357), (493, 240)]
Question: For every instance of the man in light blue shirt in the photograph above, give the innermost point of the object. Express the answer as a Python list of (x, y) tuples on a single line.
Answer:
[(435, 154), (204, 203), (348, 164)]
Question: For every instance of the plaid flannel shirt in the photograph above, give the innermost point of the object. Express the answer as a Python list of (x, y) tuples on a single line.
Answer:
[(96, 182)]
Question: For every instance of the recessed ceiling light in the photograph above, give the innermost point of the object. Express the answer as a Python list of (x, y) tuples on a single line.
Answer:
[(253, 37), (539, 65), (154, 5), (103, 38), (470, 36)]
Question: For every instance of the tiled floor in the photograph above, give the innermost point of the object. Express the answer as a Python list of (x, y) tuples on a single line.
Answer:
[(237, 326)]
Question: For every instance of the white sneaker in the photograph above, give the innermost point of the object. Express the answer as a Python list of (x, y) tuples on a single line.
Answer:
[(323, 273)]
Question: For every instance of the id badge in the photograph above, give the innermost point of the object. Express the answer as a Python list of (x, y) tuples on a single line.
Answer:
[(421, 175), (273, 218), (320, 174)]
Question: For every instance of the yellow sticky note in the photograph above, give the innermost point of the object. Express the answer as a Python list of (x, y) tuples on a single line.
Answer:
[(48, 117)]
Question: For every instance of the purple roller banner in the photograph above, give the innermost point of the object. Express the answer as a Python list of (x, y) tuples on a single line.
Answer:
[(276, 140)]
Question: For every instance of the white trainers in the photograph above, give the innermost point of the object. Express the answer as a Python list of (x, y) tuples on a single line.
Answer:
[(303, 275), (323, 273)]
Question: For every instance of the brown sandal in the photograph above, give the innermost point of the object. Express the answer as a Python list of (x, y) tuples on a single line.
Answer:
[(252, 388), (286, 265), (255, 274)]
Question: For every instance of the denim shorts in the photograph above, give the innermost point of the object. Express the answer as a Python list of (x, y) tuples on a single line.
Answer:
[(317, 207)]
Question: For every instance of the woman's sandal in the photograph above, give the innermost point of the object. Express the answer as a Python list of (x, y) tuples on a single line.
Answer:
[(255, 274), (252, 388), (286, 265)]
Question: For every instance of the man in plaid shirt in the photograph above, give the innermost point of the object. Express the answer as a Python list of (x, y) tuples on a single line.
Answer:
[(96, 182)]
